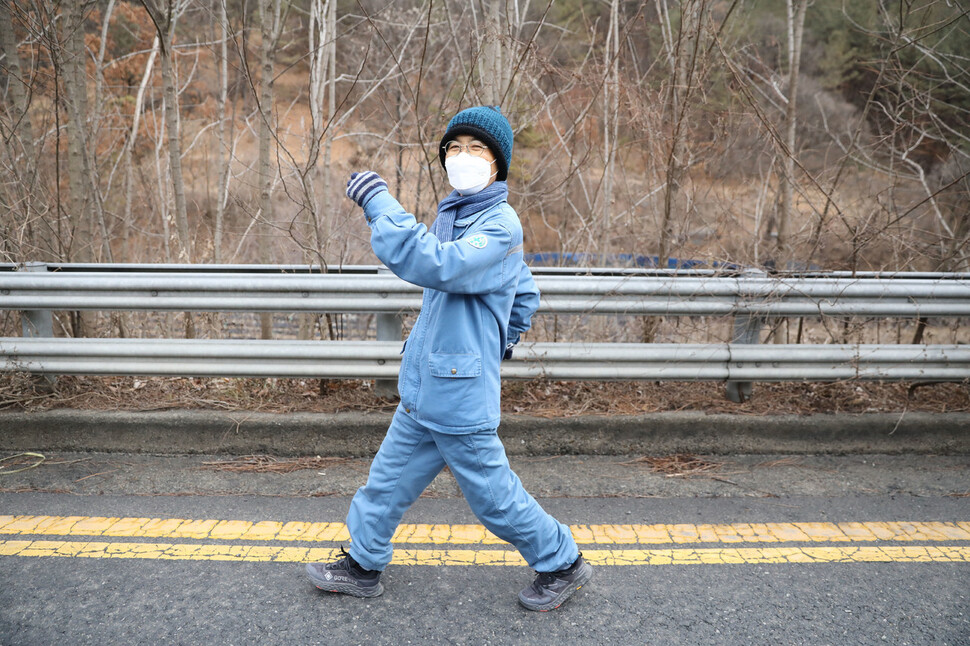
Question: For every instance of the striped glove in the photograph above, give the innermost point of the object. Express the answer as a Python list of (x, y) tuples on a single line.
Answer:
[(363, 186)]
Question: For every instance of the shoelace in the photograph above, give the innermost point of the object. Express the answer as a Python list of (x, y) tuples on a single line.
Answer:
[(343, 563), (548, 578), (347, 562)]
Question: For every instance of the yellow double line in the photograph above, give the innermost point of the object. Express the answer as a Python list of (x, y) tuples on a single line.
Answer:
[(850, 542)]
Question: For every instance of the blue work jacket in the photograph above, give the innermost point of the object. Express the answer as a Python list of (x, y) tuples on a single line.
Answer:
[(479, 296)]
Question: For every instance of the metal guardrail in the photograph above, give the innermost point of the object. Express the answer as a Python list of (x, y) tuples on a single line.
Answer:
[(751, 297), (587, 361), (754, 295)]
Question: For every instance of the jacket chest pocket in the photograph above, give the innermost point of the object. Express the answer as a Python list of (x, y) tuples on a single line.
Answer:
[(455, 366)]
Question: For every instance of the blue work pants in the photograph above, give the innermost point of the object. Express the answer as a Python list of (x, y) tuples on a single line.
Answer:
[(410, 457)]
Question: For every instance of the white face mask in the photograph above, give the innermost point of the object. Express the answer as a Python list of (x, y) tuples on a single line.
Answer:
[(468, 175)]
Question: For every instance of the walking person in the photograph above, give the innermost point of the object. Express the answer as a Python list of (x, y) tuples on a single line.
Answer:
[(479, 296)]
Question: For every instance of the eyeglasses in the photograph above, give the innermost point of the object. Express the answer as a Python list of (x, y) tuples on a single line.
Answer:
[(475, 148)]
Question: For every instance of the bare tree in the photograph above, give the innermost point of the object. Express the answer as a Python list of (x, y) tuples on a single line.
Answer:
[(491, 67), (272, 18), (71, 55), (796, 26), (683, 57), (18, 124), (628, 138), (165, 15), (225, 126), (323, 108), (26, 193), (611, 124), (126, 218)]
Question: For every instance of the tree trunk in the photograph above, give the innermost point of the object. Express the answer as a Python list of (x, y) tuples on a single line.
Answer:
[(269, 11), (99, 72), (611, 110), (86, 207), (491, 54), (75, 97), (174, 140), (165, 17), (132, 137), (21, 127), (683, 61), (796, 23), (331, 115), (90, 152), (327, 82), (21, 148), (320, 38), (72, 62), (954, 195), (682, 55), (402, 112), (225, 128)]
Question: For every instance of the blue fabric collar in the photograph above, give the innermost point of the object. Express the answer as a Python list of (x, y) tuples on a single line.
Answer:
[(457, 206)]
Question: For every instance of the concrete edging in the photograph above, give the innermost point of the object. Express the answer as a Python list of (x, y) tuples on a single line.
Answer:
[(360, 434)]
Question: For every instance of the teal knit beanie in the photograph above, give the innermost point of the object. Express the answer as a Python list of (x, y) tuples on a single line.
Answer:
[(488, 125)]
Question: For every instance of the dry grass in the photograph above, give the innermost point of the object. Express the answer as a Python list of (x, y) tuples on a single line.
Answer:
[(550, 399), (566, 399), (680, 465)]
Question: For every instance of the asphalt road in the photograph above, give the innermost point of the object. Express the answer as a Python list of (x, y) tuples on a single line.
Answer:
[(793, 550)]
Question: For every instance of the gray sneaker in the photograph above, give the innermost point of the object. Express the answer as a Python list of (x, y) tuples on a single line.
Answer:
[(345, 576), (550, 590)]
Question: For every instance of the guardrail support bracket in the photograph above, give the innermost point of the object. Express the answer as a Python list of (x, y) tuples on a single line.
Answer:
[(389, 328), (747, 329), (38, 323)]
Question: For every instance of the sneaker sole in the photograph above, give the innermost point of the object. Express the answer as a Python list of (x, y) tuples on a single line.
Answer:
[(585, 574), (347, 588)]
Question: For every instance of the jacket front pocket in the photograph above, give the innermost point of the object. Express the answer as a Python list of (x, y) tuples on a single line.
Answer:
[(455, 366)]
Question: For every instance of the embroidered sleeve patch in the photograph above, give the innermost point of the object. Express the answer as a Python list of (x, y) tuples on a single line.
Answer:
[(478, 241)]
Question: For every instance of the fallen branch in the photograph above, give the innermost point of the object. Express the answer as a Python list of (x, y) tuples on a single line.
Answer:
[(270, 464)]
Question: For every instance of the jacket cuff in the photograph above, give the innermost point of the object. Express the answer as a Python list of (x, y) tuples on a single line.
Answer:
[(379, 204)]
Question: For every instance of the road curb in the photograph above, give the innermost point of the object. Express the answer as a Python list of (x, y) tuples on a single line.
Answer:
[(360, 434)]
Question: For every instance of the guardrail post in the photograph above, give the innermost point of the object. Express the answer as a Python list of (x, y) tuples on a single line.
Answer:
[(389, 328), (747, 329), (38, 323)]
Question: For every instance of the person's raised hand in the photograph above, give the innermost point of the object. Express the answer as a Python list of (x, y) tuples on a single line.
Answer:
[(361, 187)]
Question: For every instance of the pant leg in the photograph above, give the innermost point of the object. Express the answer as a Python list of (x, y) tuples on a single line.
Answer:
[(499, 500), (405, 465)]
